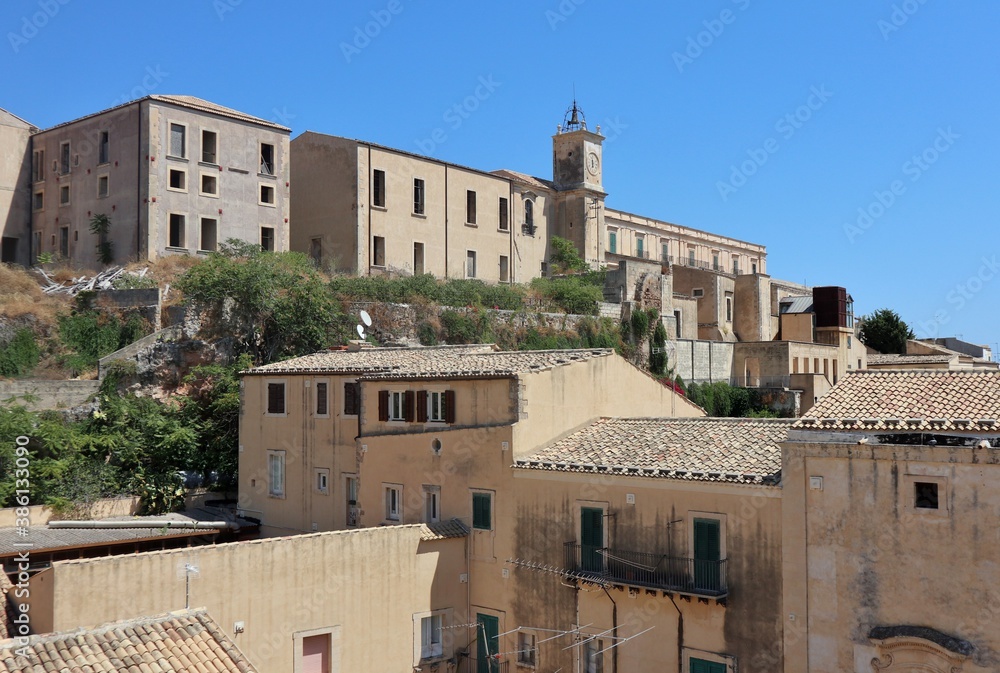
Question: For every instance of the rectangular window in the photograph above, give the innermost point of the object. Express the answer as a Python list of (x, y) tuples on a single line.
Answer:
[(698, 292), (36, 238), (925, 495), (352, 398), (322, 403), (432, 504), (729, 309), (323, 480), (38, 200), (715, 261), (276, 398), (378, 251), (418, 259), (436, 407), (316, 251), (175, 236), (103, 147), (691, 257), (63, 195), (504, 214), (482, 511), (418, 196), (470, 207), (103, 186), (707, 548), (665, 254), (267, 195), (178, 141), (526, 648), (209, 147), (64, 241), (267, 239), (544, 271), (504, 269), (736, 266), (470, 264), (613, 241), (677, 323), (315, 654), (393, 502), (177, 180), (593, 656), (351, 493), (397, 405), (38, 165), (267, 159), (209, 239), (753, 267), (64, 151), (430, 637), (640, 251), (209, 184), (378, 188), (276, 473)]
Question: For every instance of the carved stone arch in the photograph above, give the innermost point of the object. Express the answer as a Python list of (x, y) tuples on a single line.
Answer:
[(917, 649)]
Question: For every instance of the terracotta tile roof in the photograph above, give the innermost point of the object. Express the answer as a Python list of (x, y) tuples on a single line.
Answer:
[(529, 180), (442, 530), (479, 361), (6, 607), (735, 450), (907, 401), (187, 640), (887, 359)]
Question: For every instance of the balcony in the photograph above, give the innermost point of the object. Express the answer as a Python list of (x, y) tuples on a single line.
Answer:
[(652, 571)]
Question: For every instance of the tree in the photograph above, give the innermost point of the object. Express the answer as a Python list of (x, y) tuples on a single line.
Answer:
[(885, 331), (564, 258), (274, 304), (100, 226)]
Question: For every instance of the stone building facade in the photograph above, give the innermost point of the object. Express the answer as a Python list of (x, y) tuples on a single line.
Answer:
[(15, 195)]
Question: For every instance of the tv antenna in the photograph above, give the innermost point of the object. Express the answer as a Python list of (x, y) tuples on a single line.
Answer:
[(366, 321)]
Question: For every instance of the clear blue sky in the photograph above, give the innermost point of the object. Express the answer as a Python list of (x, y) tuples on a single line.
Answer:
[(694, 97)]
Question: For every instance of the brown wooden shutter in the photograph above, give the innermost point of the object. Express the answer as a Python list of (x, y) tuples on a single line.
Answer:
[(421, 406), (383, 405), (409, 401), (449, 406), (321, 407)]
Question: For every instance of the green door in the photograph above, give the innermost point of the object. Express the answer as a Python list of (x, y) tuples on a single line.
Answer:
[(591, 539), (702, 666), (707, 553), (487, 644)]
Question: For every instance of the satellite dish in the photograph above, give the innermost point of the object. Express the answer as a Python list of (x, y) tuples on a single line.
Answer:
[(366, 319), (361, 331)]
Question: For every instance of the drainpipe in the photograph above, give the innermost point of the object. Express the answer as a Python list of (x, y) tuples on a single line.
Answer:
[(368, 240), (141, 166), (680, 636), (446, 221)]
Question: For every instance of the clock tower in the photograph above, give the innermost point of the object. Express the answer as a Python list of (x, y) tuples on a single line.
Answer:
[(577, 168)]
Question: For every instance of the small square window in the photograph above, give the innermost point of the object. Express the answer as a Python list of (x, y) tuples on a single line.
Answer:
[(209, 184), (103, 186), (276, 398), (38, 201), (323, 481), (64, 195), (925, 495), (526, 648), (177, 180), (267, 195)]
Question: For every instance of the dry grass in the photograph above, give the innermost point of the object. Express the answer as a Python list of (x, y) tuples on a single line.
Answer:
[(21, 295)]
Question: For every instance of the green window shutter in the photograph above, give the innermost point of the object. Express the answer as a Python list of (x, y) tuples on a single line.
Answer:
[(702, 666), (482, 511), (707, 542)]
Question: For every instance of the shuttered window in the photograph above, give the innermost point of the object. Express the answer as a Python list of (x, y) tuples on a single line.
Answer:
[(702, 666), (482, 511), (423, 406), (322, 406), (449, 406), (352, 398), (275, 398)]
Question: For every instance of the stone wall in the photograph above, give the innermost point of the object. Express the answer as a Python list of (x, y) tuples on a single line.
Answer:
[(147, 301), (697, 360), (49, 394)]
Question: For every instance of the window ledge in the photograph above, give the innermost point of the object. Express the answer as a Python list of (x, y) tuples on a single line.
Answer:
[(173, 158), (524, 664), (384, 209), (175, 189), (471, 224), (241, 171), (205, 252), (208, 195), (276, 496), (176, 249), (209, 164), (420, 215), (266, 205), (503, 231), (272, 176), (430, 661), (104, 163)]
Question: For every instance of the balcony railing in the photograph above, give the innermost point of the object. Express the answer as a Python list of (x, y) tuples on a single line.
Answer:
[(656, 571)]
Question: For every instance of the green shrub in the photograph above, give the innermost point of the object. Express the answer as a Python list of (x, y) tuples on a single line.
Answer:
[(20, 355), (427, 334)]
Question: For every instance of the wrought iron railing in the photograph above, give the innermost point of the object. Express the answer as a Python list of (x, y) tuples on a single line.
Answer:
[(641, 569)]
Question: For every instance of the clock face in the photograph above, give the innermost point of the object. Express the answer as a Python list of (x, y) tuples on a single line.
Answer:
[(593, 163)]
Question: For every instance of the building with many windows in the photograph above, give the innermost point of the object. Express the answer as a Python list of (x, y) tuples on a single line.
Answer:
[(174, 174)]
